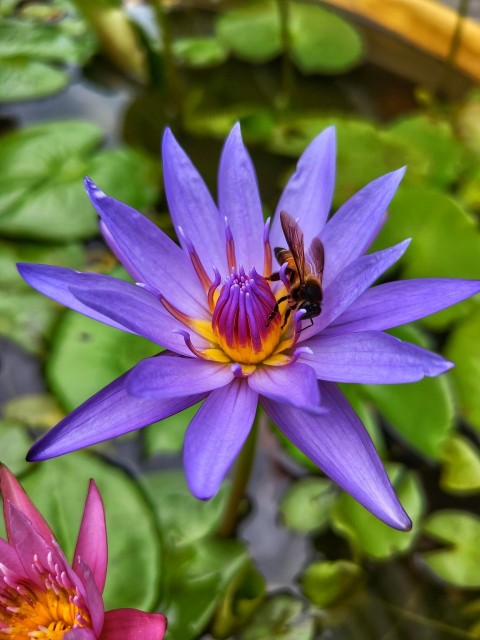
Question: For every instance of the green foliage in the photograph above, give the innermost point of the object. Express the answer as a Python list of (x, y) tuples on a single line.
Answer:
[(42, 195), (307, 504), (59, 487), (366, 534), (319, 41), (280, 617), (83, 345), (325, 583), (200, 52), (14, 441), (460, 466), (32, 44), (458, 563), (198, 568), (463, 348), (422, 413)]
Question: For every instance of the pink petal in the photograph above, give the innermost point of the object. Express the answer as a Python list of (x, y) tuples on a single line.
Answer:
[(92, 538), (93, 596), (130, 624), (13, 493)]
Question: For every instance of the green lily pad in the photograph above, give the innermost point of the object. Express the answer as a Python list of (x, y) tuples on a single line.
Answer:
[(460, 466), (421, 413), (251, 31), (198, 569), (322, 41), (59, 487), (244, 595), (167, 436), (30, 49), (37, 410), (368, 535), (281, 616), (326, 583), (463, 348), (306, 505), (184, 519), (83, 346), (458, 563), (446, 242), (200, 52), (435, 139), (42, 195), (27, 318), (14, 442)]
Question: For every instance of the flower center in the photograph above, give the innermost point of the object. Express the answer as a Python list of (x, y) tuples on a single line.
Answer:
[(28, 611), (240, 319)]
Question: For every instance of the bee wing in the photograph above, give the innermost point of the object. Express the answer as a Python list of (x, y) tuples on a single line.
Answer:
[(294, 238), (317, 256)]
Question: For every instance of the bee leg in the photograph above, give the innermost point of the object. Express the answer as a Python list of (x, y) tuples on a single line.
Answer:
[(307, 326), (275, 309), (274, 277), (287, 315)]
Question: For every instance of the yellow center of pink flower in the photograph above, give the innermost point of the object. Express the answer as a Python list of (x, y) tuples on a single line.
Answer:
[(29, 612)]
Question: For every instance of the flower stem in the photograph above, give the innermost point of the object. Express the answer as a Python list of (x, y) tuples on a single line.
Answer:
[(239, 484), (287, 69)]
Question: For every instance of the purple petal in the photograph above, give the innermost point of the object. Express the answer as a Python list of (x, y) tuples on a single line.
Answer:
[(92, 538), (191, 205), (351, 283), (371, 357), (340, 445), (352, 229), (134, 308), (158, 261), (109, 413), (166, 376), (294, 384), (216, 435), (54, 282), (395, 303), (239, 201), (308, 194), (130, 624)]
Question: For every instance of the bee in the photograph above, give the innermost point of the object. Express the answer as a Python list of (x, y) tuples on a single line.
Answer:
[(304, 275)]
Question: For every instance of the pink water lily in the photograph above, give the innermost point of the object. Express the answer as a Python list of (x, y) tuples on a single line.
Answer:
[(42, 596), (209, 302)]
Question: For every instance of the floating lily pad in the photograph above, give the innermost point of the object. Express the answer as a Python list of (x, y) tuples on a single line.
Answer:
[(325, 583), (198, 568), (200, 52), (307, 504), (282, 617), (457, 563), (14, 442), (31, 49), (460, 466), (446, 242), (422, 413), (59, 487), (167, 436), (368, 535), (27, 318), (463, 348), (83, 346), (42, 166), (435, 139), (252, 31), (320, 41), (38, 410)]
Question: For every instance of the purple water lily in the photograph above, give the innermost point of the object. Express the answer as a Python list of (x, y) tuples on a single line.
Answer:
[(208, 302)]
